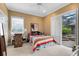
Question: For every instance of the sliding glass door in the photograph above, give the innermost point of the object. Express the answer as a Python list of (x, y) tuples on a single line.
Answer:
[(65, 28), (69, 28)]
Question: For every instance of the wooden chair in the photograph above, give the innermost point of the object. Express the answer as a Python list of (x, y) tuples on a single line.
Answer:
[(18, 40)]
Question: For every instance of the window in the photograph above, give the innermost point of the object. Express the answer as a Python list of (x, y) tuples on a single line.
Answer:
[(17, 24)]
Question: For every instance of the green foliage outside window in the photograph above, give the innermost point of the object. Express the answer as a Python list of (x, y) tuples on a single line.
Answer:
[(66, 30)]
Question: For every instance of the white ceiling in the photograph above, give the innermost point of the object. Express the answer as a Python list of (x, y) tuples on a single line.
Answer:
[(34, 9)]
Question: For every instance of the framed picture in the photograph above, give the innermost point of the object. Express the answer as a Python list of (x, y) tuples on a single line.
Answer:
[(34, 27)]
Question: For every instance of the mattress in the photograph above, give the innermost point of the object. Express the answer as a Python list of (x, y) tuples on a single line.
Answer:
[(56, 50)]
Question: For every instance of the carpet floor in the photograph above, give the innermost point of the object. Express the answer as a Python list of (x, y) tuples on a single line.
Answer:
[(26, 50)]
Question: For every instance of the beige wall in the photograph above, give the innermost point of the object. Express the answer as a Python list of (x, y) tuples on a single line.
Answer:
[(4, 9), (48, 18), (28, 19)]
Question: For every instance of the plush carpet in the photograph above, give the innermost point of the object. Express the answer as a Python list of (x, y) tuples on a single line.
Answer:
[(56, 50), (21, 51), (26, 50)]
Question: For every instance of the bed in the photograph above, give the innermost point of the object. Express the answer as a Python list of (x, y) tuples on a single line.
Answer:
[(56, 50), (39, 42)]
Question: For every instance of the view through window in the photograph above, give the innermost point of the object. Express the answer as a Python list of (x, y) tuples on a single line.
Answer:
[(69, 29), (17, 24)]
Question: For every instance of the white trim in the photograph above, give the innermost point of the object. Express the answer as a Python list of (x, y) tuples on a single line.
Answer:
[(77, 29), (6, 18), (1, 30)]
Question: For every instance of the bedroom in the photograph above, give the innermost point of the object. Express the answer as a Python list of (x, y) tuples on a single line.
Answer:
[(31, 22)]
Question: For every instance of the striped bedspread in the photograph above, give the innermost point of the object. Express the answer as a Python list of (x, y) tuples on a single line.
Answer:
[(32, 38), (42, 42)]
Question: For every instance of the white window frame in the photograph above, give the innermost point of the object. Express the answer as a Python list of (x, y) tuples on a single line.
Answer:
[(12, 24)]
